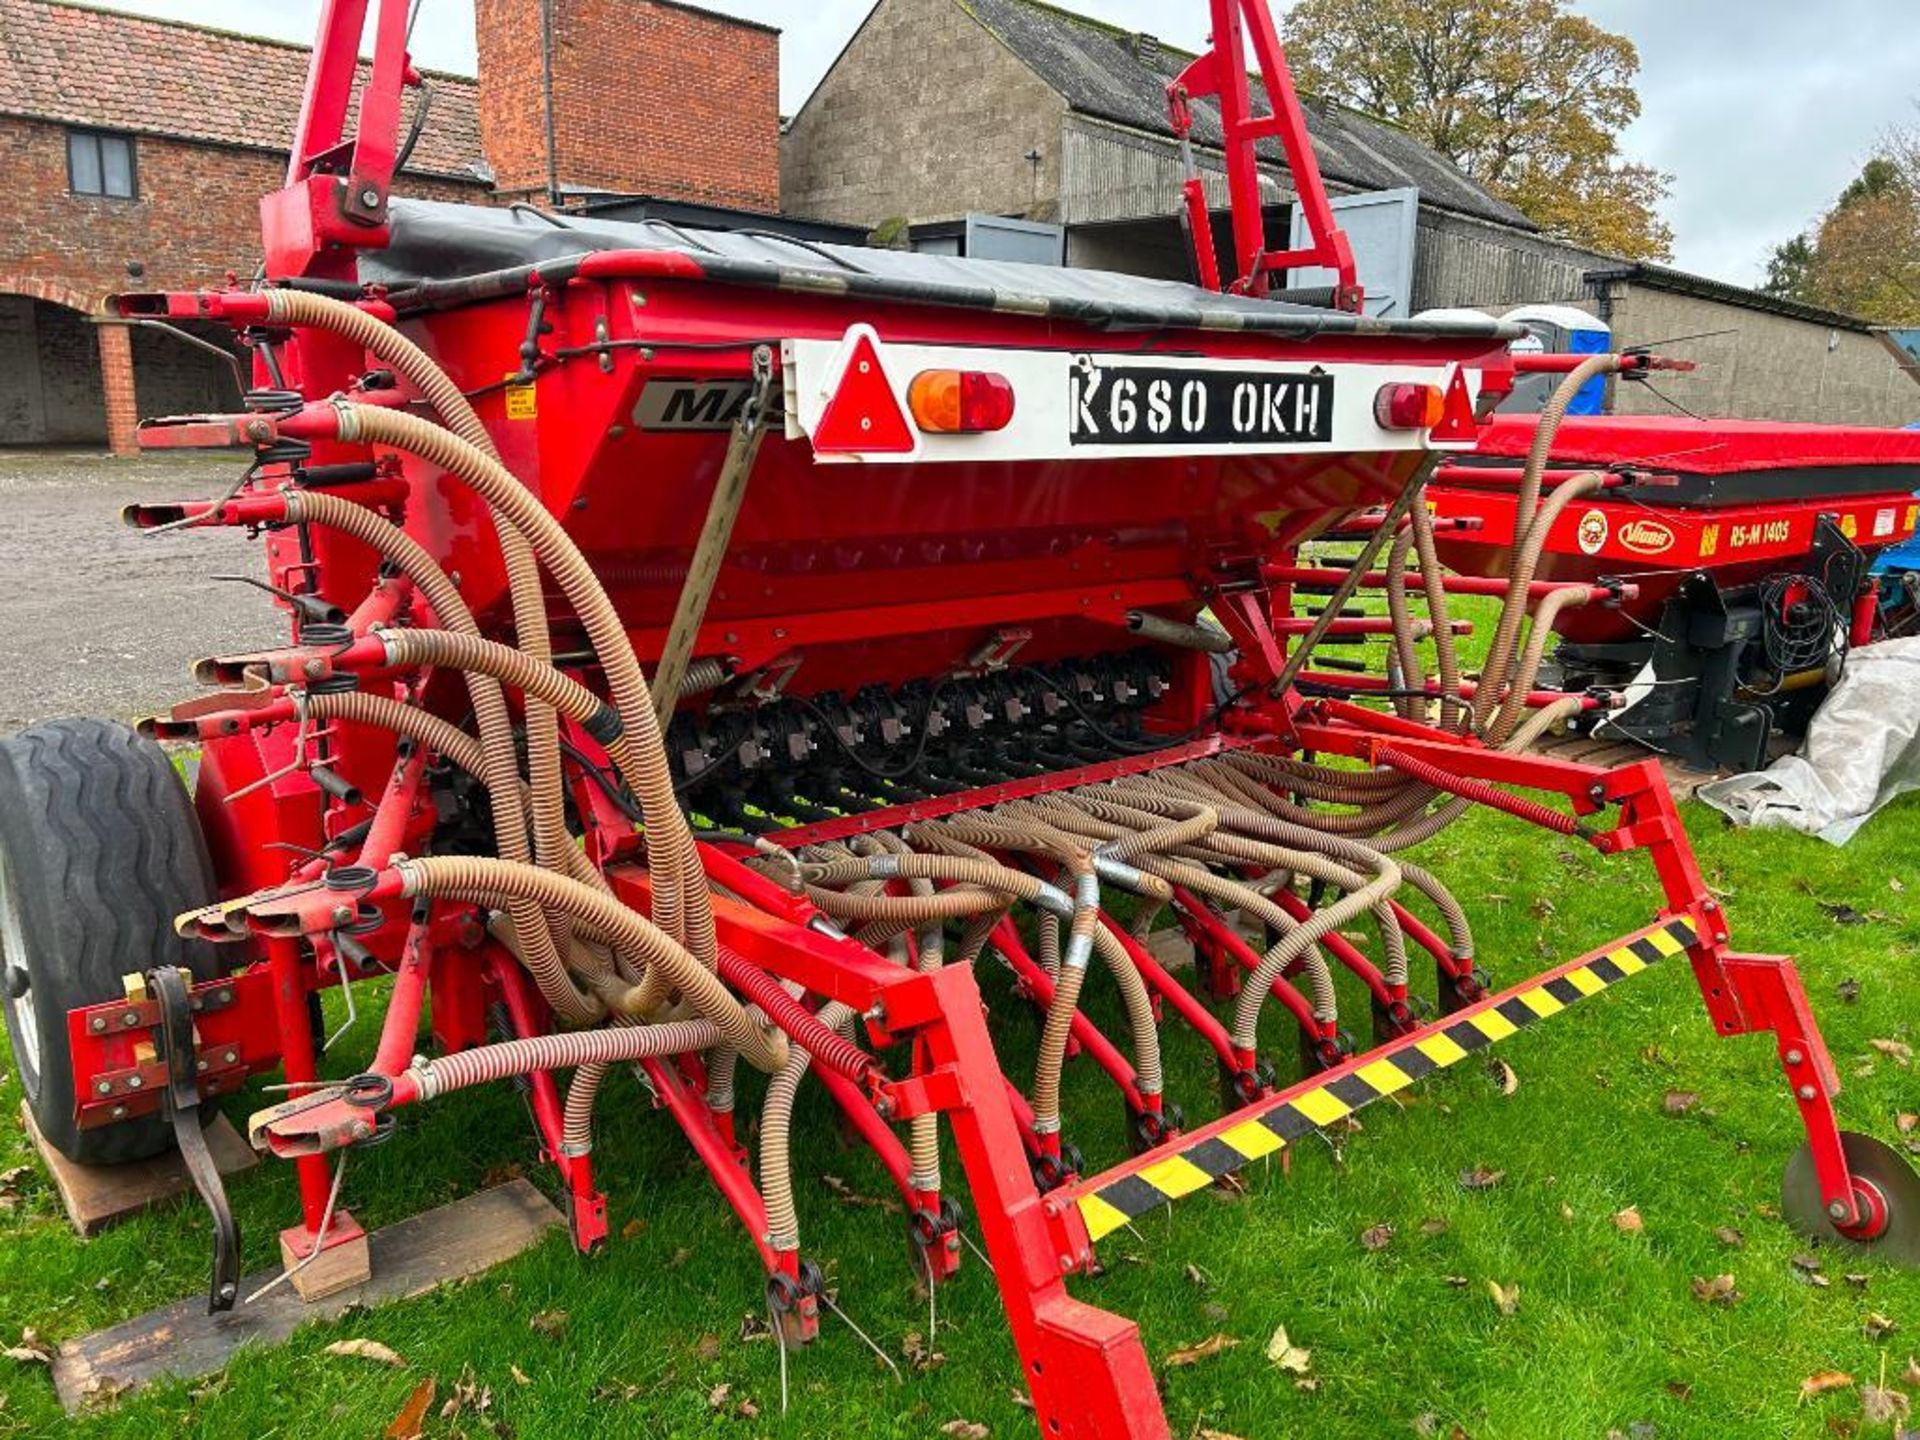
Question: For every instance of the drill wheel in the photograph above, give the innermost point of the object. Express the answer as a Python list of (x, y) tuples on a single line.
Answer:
[(1889, 1190)]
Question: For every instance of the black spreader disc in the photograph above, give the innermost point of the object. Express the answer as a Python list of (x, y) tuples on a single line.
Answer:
[(1871, 1160)]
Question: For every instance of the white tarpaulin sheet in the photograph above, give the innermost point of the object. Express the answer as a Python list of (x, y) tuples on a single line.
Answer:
[(1862, 749)]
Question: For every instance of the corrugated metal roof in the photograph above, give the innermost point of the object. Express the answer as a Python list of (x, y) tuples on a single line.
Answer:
[(79, 65), (1103, 71)]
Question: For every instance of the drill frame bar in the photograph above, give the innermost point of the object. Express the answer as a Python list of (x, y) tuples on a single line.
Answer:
[(1200, 1157)]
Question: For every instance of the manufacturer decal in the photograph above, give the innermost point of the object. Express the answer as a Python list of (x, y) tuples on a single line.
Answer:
[(1882, 523), (1646, 537), (1592, 532), (691, 404), (1850, 526), (1710, 541), (1760, 532)]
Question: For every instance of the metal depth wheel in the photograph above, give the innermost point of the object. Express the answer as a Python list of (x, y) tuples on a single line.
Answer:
[(1889, 1193)]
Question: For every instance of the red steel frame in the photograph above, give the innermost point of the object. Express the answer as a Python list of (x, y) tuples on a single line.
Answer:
[(1086, 1369)]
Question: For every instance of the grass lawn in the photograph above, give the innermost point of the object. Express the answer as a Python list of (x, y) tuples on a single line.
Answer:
[(1606, 1335)]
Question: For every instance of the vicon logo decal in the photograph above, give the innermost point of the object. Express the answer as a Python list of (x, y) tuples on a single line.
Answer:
[(1646, 537)]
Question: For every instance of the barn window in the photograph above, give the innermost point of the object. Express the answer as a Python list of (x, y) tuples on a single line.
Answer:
[(101, 164)]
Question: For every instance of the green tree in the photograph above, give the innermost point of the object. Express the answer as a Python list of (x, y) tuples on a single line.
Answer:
[(1863, 256), (1787, 268), (1527, 98)]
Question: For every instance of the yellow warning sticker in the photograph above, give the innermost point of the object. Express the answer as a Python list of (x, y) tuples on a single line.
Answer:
[(521, 404)]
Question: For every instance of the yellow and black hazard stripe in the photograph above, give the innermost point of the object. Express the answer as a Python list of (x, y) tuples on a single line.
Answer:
[(1187, 1166)]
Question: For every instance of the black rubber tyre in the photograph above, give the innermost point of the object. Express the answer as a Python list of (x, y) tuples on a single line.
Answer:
[(99, 850)]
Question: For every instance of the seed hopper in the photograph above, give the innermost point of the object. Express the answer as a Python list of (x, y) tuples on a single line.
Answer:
[(705, 650)]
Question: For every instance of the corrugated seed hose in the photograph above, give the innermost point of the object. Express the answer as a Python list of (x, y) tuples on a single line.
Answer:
[(682, 906), (499, 766), (412, 364), (480, 880)]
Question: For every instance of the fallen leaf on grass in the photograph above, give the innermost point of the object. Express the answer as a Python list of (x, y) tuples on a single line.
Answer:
[(719, 1395), (707, 1347), (1823, 1382), (850, 1196), (1717, 1291), (1679, 1389), (965, 1430), (1435, 1226), (921, 1357), (1206, 1434), (1906, 1123), (1730, 1237), (1481, 1178), (1458, 1282), (1504, 1076), (1194, 1354), (1284, 1354), (468, 1394), (1679, 1102), (407, 1424), (549, 1322), (1842, 914), (31, 1350), (1197, 1276), (1897, 1051), (1808, 1264), (1566, 1212), (1628, 1221), (1896, 884), (519, 1375), (1848, 990), (1877, 1326), (1377, 1237), (1883, 1406), (1859, 1282), (1506, 1298), (365, 1350), (617, 1390), (633, 1229)]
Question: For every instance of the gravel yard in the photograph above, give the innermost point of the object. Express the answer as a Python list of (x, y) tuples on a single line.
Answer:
[(96, 619)]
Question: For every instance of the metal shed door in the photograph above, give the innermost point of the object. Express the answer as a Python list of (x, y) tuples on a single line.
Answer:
[(1381, 225)]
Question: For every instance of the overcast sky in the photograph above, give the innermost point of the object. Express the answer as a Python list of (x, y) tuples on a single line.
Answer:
[(1761, 109)]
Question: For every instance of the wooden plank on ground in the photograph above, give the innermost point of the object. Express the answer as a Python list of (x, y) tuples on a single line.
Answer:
[(95, 1196), (409, 1258)]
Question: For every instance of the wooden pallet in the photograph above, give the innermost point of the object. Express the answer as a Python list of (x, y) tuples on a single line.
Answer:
[(96, 1196), (409, 1258)]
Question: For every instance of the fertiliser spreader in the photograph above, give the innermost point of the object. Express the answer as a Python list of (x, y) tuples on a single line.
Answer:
[(706, 649), (1739, 555)]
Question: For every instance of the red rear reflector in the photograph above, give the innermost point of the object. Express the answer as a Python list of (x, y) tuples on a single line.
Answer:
[(1408, 407), (864, 415), (960, 402), (1457, 424)]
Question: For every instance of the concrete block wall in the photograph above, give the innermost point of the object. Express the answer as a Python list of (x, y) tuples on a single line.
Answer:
[(1756, 365), (926, 116)]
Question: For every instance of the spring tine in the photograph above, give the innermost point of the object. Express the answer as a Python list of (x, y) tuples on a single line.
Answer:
[(319, 1236), (886, 1358)]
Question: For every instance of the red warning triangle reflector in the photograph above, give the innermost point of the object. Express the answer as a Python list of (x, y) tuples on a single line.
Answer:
[(864, 415), (1456, 415)]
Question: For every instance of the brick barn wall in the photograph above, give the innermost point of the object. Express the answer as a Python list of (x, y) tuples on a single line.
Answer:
[(197, 214), (61, 255), (649, 98)]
